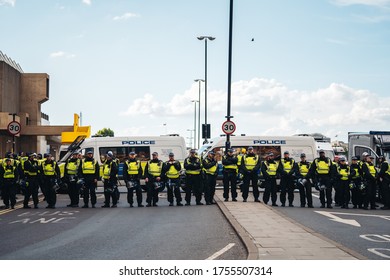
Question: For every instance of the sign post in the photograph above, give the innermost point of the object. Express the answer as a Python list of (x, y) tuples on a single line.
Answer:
[(13, 128)]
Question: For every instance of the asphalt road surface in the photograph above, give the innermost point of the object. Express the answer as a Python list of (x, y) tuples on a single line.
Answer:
[(123, 233)]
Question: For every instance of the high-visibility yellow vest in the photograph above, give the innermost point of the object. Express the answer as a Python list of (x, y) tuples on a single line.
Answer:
[(357, 175), (212, 170), (9, 173), (107, 170), (133, 167), (271, 168), (372, 169), (154, 168), (230, 166), (88, 167), (322, 166), (344, 172), (192, 172), (34, 173), (173, 173), (72, 167), (287, 165), (250, 162), (49, 168), (304, 168)]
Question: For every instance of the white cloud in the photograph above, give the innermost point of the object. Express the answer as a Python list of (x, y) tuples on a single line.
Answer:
[(125, 16), (265, 107), (8, 2), (87, 2), (62, 54), (377, 3)]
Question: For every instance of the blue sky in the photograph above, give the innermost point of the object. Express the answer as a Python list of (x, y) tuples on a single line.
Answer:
[(314, 66)]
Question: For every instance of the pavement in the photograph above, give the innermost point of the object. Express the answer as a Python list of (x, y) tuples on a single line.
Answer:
[(269, 235)]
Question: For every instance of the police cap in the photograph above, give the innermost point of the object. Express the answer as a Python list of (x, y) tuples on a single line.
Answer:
[(250, 148), (192, 151), (322, 151), (132, 153), (230, 150), (286, 153), (155, 154), (342, 159), (7, 159), (354, 158), (171, 154), (89, 152), (303, 155)]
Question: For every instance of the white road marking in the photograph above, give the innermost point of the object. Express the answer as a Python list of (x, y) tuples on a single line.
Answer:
[(220, 252), (338, 219), (376, 251)]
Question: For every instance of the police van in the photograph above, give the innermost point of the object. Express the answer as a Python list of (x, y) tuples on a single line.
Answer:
[(143, 146), (262, 145)]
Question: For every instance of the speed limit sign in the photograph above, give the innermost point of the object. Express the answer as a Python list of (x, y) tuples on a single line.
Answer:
[(13, 128), (228, 127)]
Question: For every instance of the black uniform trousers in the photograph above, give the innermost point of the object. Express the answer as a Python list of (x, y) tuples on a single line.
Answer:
[(73, 191), (137, 190), (287, 186), (345, 195), (305, 193), (270, 190), (31, 190), (325, 194), (151, 192), (386, 191), (173, 189), (248, 178), (229, 180), (210, 182), (8, 192), (48, 183), (356, 193), (89, 190), (193, 185), (370, 193), (109, 193)]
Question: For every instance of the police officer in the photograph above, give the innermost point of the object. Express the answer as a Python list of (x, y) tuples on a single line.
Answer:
[(250, 166), (171, 173), (210, 170), (321, 171), (50, 175), (132, 174), (193, 167), (287, 168), (356, 184), (8, 176), (369, 175), (344, 174), (31, 175), (269, 169), (384, 177), (229, 163), (153, 175), (89, 171), (71, 175), (304, 183), (110, 171)]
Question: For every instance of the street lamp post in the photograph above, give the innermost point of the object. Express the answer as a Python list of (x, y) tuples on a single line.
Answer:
[(199, 81), (205, 38), (229, 91), (195, 101)]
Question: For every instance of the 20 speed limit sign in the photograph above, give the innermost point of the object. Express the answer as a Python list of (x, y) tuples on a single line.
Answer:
[(228, 127), (13, 128)]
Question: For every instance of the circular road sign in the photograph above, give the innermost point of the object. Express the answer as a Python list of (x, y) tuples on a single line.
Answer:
[(13, 127), (228, 127)]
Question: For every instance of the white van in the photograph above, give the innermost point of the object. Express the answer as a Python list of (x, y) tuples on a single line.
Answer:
[(143, 146), (263, 145)]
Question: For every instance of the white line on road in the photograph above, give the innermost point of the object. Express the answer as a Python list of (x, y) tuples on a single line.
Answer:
[(220, 252)]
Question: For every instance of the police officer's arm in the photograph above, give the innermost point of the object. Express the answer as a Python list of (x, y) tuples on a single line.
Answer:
[(294, 168), (113, 171), (57, 170), (264, 170), (207, 164), (280, 169), (177, 165), (140, 171), (2, 171), (366, 172), (97, 171), (384, 168), (257, 166), (125, 168), (352, 172), (186, 164)]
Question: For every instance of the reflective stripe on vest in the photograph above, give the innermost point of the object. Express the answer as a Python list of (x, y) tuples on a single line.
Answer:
[(154, 169), (88, 167), (230, 166), (192, 172), (322, 166), (239, 159), (173, 173), (304, 168), (49, 169), (250, 162), (9, 173), (107, 170), (287, 165), (271, 168), (133, 167), (72, 167), (344, 172), (212, 170), (357, 175)]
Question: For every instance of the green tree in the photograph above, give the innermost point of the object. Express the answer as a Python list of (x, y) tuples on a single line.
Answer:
[(105, 132)]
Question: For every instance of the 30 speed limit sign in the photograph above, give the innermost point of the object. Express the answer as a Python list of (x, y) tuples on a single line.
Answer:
[(228, 127), (13, 128)]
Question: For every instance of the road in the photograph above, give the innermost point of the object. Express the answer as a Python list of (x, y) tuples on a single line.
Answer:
[(123, 233), (364, 231)]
